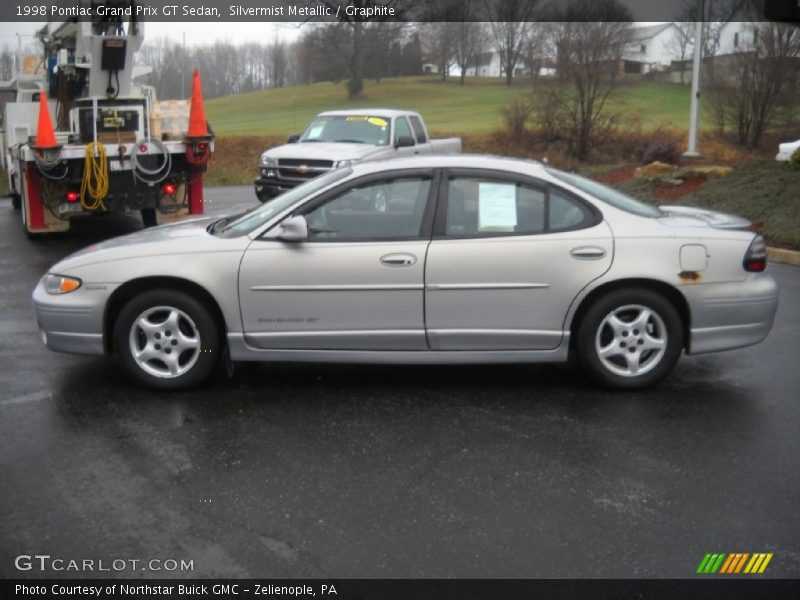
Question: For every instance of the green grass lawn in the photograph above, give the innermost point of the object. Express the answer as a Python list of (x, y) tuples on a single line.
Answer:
[(447, 107)]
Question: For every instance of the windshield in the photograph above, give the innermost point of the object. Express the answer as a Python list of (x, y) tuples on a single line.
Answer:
[(358, 129), (607, 194), (246, 222)]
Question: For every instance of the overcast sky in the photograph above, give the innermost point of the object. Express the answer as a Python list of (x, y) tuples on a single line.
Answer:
[(196, 33)]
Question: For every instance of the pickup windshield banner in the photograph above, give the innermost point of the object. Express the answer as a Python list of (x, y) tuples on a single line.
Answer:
[(365, 11)]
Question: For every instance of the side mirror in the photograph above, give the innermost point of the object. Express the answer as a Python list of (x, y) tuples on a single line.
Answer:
[(405, 141), (293, 139), (293, 229)]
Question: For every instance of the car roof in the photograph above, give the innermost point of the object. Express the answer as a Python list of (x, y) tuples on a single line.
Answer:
[(454, 161), (383, 112)]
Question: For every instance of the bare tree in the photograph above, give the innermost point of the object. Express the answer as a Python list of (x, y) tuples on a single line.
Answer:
[(752, 88), (439, 43), (6, 64), (590, 41), (714, 14), (538, 49), (469, 44), (278, 63), (510, 22), (356, 19), (680, 44)]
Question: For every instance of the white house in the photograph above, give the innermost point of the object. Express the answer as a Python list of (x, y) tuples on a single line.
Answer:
[(650, 48), (736, 37), (486, 65)]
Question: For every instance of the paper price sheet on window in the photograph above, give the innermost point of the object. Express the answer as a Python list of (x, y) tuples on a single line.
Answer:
[(497, 206)]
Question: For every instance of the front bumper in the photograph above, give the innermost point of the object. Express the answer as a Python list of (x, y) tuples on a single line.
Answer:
[(726, 316), (73, 322), (272, 186)]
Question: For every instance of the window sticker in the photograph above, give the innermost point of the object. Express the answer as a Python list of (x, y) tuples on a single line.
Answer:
[(356, 118), (497, 206), (315, 131), (378, 121)]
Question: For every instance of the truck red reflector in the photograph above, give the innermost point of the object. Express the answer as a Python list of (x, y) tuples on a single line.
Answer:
[(72, 196), (169, 189)]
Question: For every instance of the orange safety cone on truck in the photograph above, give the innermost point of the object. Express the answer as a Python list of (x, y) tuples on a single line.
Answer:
[(198, 126), (198, 145), (45, 134)]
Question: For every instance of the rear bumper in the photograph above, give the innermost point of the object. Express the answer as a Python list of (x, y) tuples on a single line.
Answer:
[(72, 323), (726, 316)]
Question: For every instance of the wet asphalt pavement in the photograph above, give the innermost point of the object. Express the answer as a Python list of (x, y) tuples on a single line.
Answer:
[(363, 471)]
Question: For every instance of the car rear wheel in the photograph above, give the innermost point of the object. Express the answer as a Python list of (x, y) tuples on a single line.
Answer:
[(167, 340), (629, 339)]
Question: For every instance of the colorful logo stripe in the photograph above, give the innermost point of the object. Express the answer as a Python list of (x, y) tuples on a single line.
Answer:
[(736, 562)]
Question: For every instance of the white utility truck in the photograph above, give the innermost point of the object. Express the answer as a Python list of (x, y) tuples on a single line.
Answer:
[(82, 138)]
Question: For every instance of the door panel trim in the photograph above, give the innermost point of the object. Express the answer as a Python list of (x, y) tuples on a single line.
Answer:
[(374, 339), (494, 339), (487, 286), (337, 288)]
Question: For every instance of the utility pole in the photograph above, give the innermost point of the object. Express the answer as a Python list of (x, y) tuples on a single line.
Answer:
[(694, 111), (183, 67)]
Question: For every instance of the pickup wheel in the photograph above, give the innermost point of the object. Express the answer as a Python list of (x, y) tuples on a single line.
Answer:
[(16, 201), (149, 217)]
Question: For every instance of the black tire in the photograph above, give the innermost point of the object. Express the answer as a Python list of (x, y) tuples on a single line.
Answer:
[(16, 201), (196, 323), (149, 217), (623, 335)]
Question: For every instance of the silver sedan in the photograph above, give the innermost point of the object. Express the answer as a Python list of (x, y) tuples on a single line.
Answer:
[(437, 259)]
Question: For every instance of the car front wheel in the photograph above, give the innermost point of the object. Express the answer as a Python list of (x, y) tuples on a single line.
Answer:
[(629, 339), (167, 340)]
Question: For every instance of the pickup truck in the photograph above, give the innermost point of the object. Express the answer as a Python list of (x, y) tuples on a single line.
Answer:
[(342, 137)]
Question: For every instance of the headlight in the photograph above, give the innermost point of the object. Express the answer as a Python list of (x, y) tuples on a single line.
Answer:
[(268, 161), (60, 284), (346, 163)]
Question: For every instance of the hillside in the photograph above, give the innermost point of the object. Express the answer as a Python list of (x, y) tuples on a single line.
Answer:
[(447, 107)]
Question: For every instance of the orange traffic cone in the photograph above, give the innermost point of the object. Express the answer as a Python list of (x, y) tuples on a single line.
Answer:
[(198, 126), (45, 134)]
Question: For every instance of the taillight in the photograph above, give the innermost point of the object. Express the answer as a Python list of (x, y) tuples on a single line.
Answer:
[(755, 260), (169, 188), (72, 196)]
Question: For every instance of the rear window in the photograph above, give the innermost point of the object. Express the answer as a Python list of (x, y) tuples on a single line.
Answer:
[(608, 195)]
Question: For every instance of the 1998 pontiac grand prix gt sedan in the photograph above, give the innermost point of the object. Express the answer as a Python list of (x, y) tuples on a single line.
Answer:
[(431, 259)]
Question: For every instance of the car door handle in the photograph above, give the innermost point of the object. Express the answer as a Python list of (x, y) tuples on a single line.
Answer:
[(401, 259), (588, 253)]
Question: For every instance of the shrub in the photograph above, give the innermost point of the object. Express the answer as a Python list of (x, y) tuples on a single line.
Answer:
[(658, 148), (516, 115), (794, 161)]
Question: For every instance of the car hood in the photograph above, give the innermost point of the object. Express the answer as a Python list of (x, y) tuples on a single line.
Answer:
[(189, 236), (323, 151), (688, 216)]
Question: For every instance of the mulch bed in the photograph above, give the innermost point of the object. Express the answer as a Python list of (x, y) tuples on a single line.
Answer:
[(670, 193), (617, 176)]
